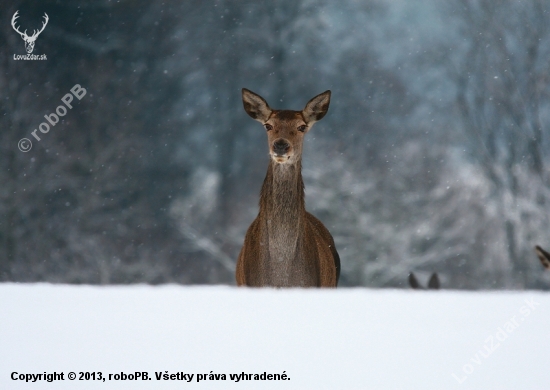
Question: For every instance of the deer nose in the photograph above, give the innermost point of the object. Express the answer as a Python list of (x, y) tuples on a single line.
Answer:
[(280, 147)]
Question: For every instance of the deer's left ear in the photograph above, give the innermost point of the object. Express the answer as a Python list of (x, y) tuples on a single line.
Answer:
[(316, 108)]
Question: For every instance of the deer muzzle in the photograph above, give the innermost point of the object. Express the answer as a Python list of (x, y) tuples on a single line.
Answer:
[(280, 148)]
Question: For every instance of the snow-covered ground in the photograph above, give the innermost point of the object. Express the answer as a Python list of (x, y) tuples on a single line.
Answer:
[(321, 339)]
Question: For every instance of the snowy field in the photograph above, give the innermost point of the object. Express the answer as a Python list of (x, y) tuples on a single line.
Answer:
[(321, 339)]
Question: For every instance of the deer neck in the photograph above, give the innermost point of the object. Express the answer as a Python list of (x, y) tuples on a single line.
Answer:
[(282, 207)]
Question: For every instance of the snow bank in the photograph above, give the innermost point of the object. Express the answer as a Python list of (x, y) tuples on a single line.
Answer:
[(321, 339)]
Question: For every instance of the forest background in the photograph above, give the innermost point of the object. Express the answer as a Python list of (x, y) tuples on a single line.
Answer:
[(431, 158)]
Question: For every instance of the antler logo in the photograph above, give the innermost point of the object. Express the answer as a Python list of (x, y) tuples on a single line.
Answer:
[(29, 41)]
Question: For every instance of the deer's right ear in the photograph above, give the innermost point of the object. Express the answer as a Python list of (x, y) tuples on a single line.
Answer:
[(434, 284), (256, 106)]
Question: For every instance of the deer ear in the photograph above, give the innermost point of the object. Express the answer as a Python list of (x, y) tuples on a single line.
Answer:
[(434, 282), (413, 282), (544, 256), (316, 108), (256, 106)]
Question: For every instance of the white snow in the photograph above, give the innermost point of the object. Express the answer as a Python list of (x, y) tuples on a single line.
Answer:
[(322, 339)]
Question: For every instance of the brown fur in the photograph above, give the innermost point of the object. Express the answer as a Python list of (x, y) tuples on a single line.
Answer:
[(286, 246), (287, 115)]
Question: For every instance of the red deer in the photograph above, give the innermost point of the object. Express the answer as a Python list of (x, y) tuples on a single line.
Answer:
[(286, 246), (544, 256)]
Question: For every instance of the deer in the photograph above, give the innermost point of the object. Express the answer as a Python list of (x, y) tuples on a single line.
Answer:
[(544, 256), (433, 283), (29, 41), (285, 246)]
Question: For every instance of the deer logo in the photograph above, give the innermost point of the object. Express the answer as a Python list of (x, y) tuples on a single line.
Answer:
[(29, 41)]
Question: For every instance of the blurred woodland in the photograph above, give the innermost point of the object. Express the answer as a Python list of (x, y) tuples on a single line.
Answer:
[(431, 158)]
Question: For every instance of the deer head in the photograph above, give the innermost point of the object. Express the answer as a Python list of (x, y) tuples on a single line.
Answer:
[(29, 41), (433, 283), (285, 128)]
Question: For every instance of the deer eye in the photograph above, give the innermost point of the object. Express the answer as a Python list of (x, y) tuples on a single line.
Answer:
[(268, 127), (302, 128)]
